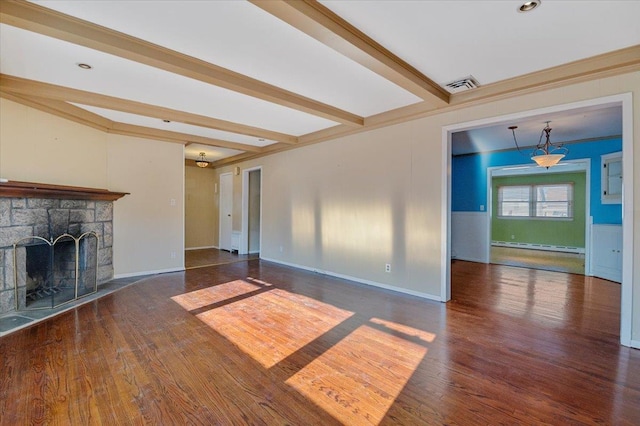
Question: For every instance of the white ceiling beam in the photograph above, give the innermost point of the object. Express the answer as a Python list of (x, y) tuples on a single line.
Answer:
[(319, 22), (39, 19), (21, 86), (177, 137), (623, 61)]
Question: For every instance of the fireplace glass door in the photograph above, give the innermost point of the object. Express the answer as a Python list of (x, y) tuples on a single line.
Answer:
[(49, 273)]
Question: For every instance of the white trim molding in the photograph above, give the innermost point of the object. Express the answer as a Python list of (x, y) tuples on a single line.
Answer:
[(200, 248), (356, 280)]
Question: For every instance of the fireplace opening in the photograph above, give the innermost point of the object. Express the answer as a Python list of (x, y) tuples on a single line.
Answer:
[(38, 279), (51, 273)]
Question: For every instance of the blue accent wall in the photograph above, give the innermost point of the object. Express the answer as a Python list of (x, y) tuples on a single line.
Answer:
[(469, 177)]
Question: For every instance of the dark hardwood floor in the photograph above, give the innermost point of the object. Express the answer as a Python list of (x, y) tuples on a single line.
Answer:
[(260, 344), (213, 257)]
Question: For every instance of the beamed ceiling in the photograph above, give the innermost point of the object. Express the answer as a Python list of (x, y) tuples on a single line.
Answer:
[(240, 79)]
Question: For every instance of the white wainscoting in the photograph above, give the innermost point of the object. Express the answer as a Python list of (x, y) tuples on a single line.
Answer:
[(470, 236), (606, 252)]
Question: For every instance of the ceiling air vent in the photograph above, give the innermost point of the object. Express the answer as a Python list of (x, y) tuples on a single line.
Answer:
[(465, 83)]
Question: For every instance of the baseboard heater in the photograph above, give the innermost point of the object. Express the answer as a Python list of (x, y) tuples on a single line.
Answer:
[(545, 247)]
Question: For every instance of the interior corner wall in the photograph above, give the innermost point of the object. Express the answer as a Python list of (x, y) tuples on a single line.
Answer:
[(148, 224), (39, 147), (351, 205), (201, 208)]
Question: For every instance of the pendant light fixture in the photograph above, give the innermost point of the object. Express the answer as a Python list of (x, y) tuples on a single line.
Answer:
[(202, 160), (545, 154)]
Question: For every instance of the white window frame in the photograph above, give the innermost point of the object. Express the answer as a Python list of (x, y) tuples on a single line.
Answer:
[(533, 202)]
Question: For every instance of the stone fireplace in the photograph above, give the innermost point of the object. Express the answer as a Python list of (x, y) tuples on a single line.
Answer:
[(33, 217)]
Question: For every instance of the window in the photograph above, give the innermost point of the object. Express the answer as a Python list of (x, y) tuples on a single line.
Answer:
[(514, 201), (554, 201)]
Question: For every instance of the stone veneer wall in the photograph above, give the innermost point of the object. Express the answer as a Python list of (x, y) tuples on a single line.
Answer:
[(49, 218)]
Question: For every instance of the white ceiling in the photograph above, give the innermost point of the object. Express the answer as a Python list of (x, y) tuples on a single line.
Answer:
[(443, 40), (566, 127)]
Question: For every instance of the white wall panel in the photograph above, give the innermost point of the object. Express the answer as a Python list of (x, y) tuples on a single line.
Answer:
[(469, 236)]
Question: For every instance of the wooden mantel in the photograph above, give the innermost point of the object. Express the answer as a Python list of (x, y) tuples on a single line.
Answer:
[(15, 189)]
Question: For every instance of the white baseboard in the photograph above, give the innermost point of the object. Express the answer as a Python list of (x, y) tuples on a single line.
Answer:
[(200, 248), (634, 344), (544, 247), (158, 271), (358, 280), (468, 259)]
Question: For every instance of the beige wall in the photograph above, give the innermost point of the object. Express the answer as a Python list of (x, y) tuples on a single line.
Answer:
[(350, 205), (39, 147), (148, 224), (201, 208)]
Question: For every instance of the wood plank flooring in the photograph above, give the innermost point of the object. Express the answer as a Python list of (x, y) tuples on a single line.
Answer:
[(572, 263), (212, 257), (253, 343)]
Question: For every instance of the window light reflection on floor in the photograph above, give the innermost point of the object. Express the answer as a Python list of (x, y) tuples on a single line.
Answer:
[(272, 325), (404, 329), (358, 379), (215, 294)]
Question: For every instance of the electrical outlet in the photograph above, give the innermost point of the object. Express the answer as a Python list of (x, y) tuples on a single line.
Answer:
[(172, 202), (280, 249), (387, 267), (173, 254), (513, 237)]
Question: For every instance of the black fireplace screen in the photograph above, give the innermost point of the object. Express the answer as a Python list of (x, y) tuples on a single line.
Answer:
[(49, 273)]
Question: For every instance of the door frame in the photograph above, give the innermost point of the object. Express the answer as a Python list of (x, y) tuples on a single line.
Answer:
[(243, 247), (626, 101), (220, 212)]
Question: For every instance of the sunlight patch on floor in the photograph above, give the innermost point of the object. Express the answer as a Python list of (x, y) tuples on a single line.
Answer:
[(409, 331), (358, 379), (215, 294), (272, 325)]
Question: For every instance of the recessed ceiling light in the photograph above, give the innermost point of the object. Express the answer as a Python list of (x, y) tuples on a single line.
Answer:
[(85, 66), (529, 5)]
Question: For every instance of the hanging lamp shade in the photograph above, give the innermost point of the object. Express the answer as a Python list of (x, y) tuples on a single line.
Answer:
[(202, 160), (547, 160), (545, 154)]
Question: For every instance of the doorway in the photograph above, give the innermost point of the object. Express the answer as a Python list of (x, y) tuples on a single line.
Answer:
[(226, 211), (250, 236), (625, 102)]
